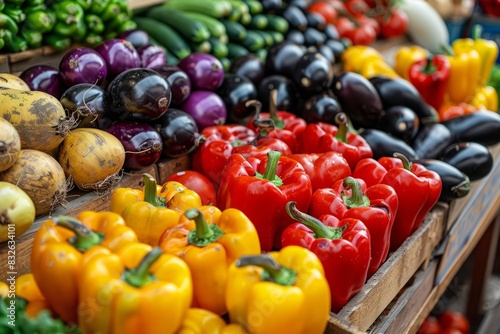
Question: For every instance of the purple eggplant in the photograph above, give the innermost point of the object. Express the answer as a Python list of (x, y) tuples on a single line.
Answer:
[(88, 104), (119, 55), (139, 94), (152, 56), (204, 70), (143, 144), (179, 81), (206, 107), (44, 78), (82, 65), (138, 38), (178, 131)]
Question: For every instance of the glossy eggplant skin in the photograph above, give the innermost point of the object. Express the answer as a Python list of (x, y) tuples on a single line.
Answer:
[(287, 99), (401, 122), (321, 108), (313, 73), (88, 103), (358, 99), (400, 92), (235, 91), (481, 127), (431, 140), (385, 145), (282, 58), (249, 66), (455, 183), (472, 159)]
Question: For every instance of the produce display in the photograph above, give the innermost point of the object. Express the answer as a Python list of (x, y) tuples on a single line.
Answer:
[(311, 161)]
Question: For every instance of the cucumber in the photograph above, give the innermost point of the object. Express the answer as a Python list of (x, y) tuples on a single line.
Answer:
[(262, 54), (226, 64), (277, 23), (192, 30), (219, 49), (277, 36), (245, 19), (268, 38), (253, 41), (258, 21), (254, 6), (165, 36), (214, 8), (214, 26), (236, 50), (204, 47), (235, 31)]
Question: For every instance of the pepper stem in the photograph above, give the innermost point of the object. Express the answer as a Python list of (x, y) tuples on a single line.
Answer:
[(150, 192), (273, 271), (320, 230), (477, 30), (264, 125), (204, 234), (358, 197), (406, 163), (273, 110), (429, 67), (270, 172), (84, 237), (140, 275), (341, 120)]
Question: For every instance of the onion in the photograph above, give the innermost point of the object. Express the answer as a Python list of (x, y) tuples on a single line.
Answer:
[(82, 65), (41, 177), (93, 158), (206, 107), (152, 56), (10, 145), (204, 70), (119, 55), (44, 78)]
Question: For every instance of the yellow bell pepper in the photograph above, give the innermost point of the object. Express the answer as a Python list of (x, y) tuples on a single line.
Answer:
[(4, 290), (200, 321), (279, 292), (148, 217), (137, 290), (405, 57), (486, 98), (488, 52), (355, 57), (209, 241), (62, 246), (377, 67), (27, 289), (465, 65)]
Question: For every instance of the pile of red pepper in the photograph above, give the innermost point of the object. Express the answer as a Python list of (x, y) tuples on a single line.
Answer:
[(316, 186)]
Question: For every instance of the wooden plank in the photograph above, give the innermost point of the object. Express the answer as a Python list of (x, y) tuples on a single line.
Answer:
[(367, 305), (168, 167)]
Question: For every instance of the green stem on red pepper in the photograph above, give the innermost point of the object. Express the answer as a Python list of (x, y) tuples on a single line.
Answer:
[(429, 67), (204, 234), (358, 197), (320, 230), (270, 172), (84, 237), (273, 110), (407, 164), (341, 121), (273, 271), (140, 275)]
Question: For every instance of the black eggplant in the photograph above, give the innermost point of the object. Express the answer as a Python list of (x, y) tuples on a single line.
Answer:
[(315, 21), (235, 92), (178, 131), (331, 32), (385, 145), (314, 37), (472, 159), (431, 140), (321, 108), (179, 82), (269, 6), (287, 99), (139, 94), (401, 122), (400, 92), (295, 36), (455, 183), (249, 66), (327, 53), (88, 104), (295, 17), (313, 73), (337, 48), (358, 99), (481, 127), (282, 58)]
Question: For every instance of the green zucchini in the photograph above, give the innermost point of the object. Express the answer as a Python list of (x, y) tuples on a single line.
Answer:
[(204, 47), (253, 41), (268, 38), (226, 64), (254, 6), (214, 26), (277, 23), (192, 30), (214, 8), (235, 31), (277, 36), (165, 36), (219, 49), (258, 21), (236, 50)]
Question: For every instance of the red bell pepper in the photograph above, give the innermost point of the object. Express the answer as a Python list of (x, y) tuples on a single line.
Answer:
[(260, 187), (222, 141), (321, 137), (287, 125), (430, 77), (418, 191), (343, 246), (324, 169), (375, 206)]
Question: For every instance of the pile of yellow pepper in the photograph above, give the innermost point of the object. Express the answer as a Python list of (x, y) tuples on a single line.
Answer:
[(471, 61), (161, 262)]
